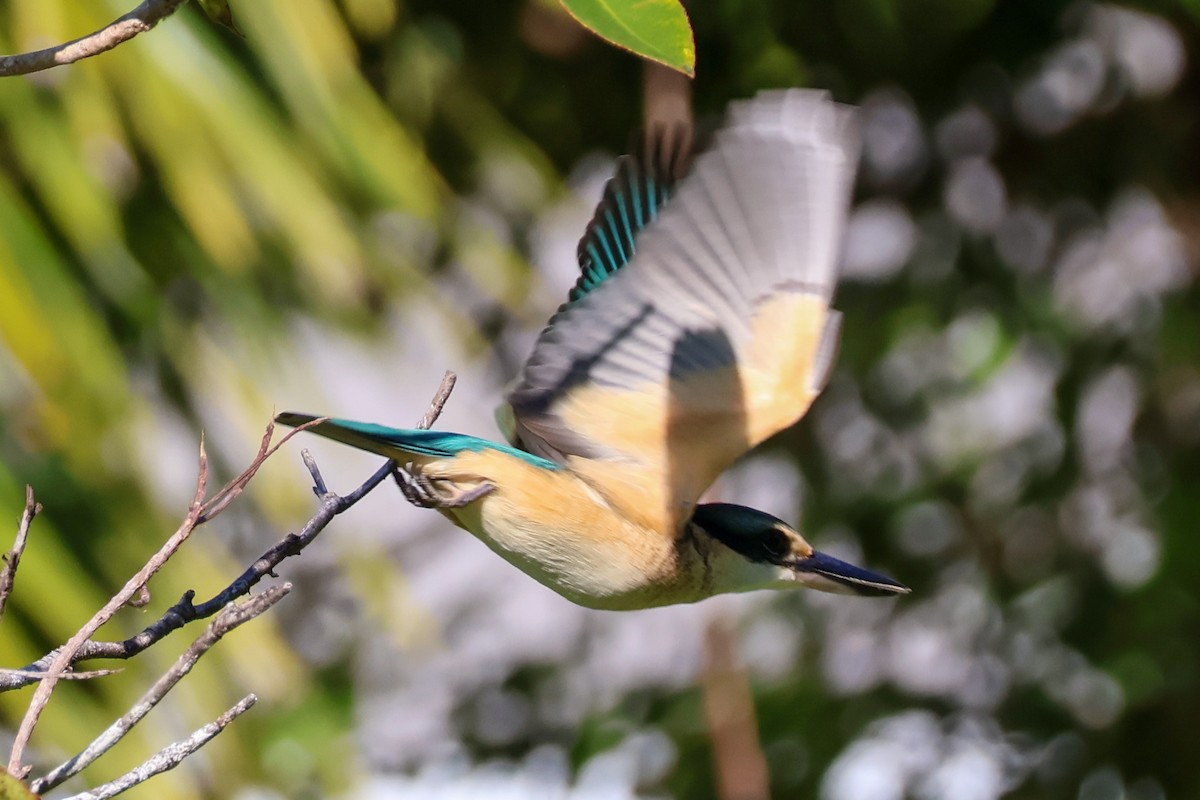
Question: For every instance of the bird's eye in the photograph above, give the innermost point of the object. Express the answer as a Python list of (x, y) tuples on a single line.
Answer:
[(777, 544)]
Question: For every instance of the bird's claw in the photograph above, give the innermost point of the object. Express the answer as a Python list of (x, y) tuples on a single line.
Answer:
[(426, 492)]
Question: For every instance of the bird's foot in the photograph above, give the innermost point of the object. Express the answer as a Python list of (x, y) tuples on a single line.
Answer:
[(426, 492)]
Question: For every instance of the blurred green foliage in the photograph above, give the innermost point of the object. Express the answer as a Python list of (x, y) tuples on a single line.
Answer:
[(171, 209)]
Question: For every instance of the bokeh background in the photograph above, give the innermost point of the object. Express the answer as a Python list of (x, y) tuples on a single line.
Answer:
[(197, 229)]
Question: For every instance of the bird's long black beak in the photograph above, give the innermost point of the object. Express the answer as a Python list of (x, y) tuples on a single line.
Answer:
[(821, 571)]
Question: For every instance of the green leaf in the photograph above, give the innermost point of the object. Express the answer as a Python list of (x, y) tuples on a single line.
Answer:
[(13, 789), (218, 11), (655, 29)]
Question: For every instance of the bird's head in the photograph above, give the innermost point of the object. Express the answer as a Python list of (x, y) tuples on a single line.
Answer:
[(772, 553)]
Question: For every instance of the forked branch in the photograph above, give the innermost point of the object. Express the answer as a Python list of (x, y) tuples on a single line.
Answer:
[(58, 665), (232, 617), (170, 756)]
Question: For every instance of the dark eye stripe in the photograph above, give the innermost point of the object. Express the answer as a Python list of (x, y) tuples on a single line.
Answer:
[(776, 545)]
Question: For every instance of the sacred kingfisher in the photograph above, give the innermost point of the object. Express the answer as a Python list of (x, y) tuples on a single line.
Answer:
[(699, 327)]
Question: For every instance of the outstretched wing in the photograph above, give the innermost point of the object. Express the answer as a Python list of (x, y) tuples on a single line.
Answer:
[(713, 335)]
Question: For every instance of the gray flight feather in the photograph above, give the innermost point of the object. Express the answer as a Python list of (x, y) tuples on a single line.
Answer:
[(761, 212)]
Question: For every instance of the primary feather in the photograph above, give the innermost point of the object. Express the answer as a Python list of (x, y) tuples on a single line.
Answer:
[(640, 188)]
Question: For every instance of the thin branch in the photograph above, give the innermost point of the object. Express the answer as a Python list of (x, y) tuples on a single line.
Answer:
[(33, 676), (198, 513), (427, 419), (122, 29), (438, 402), (319, 487), (63, 659), (227, 620), (81, 648), (221, 500), (13, 558), (186, 610), (170, 756)]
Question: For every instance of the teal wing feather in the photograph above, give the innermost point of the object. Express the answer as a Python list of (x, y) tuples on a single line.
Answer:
[(639, 189), (396, 443), (632, 199)]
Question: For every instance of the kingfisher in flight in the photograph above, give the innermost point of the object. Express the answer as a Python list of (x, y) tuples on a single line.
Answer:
[(699, 327)]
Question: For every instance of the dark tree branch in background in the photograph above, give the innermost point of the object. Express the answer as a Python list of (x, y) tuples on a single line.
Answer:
[(13, 558), (666, 98), (170, 756), (667, 113), (122, 29), (738, 758), (57, 665)]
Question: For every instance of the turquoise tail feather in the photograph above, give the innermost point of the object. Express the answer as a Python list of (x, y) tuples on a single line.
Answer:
[(401, 444)]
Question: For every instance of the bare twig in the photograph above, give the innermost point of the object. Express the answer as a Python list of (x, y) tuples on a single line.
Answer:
[(13, 558), (63, 659), (199, 512), (438, 402), (221, 500), (170, 756), (186, 610), (80, 647), (122, 29), (227, 620), (426, 422), (319, 487), (33, 676), (142, 600)]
